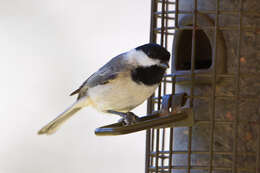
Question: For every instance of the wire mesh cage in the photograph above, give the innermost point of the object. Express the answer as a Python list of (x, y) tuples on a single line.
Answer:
[(215, 46)]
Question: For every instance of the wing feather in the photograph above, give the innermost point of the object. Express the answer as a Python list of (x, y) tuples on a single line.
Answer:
[(105, 74)]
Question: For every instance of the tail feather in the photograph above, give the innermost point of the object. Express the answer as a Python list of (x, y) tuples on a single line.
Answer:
[(53, 126)]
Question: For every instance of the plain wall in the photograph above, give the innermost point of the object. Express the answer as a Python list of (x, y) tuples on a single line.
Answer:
[(47, 49)]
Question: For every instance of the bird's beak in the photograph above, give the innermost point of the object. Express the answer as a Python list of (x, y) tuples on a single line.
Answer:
[(164, 65)]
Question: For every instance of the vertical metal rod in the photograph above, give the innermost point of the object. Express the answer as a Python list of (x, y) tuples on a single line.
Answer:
[(162, 22), (170, 150), (153, 21), (173, 91), (159, 91), (166, 25), (149, 144), (176, 13), (235, 123), (147, 150), (258, 125), (189, 149), (152, 144), (163, 130), (213, 94), (194, 12), (258, 150), (171, 131), (164, 81), (157, 150), (163, 146)]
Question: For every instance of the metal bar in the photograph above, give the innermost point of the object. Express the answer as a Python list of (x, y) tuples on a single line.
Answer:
[(213, 94), (153, 21), (162, 22), (221, 12), (152, 144), (231, 98), (201, 168), (166, 33), (170, 150), (153, 154), (149, 133), (163, 130), (222, 28), (169, 18), (202, 75), (163, 146), (210, 75), (194, 13), (147, 149), (166, 17), (166, 5), (258, 151), (194, 26), (167, 2), (159, 88), (257, 170), (171, 129), (219, 122), (176, 24), (237, 91), (157, 150)]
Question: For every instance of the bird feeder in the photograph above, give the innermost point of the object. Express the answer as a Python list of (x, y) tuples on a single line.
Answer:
[(215, 46)]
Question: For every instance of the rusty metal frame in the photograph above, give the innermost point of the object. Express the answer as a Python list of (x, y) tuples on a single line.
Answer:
[(156, 149)]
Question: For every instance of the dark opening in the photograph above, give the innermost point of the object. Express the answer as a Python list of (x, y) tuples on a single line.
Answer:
[(203, 51)]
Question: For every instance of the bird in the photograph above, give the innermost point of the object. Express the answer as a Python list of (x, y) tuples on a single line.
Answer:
[(119, 86)]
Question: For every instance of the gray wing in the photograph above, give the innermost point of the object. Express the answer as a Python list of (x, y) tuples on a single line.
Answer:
[(105, 74)]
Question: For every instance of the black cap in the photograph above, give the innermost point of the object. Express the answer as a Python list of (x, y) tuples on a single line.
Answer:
[(155, 51)]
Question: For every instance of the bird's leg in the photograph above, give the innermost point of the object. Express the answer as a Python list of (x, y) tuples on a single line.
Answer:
[(128, 118), (177, 109)]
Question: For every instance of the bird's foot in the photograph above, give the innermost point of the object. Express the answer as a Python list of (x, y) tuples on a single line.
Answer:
[(177, 110), (129, 118)]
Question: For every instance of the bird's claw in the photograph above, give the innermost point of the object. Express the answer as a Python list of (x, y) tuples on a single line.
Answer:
[(129, 119)]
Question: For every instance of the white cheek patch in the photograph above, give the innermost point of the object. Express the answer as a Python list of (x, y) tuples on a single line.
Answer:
[(138, 57)]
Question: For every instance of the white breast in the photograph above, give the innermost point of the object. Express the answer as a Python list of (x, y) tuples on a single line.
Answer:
[(121, 94)]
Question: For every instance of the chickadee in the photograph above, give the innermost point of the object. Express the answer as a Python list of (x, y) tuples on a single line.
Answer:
[(119, 86)]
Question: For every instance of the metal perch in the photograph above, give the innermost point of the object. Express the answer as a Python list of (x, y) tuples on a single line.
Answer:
[(172, 114)]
